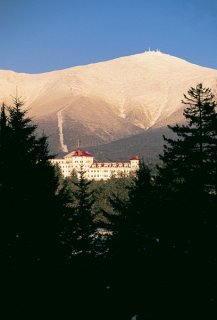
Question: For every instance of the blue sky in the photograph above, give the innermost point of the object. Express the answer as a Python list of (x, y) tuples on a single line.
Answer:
[(43, 35)]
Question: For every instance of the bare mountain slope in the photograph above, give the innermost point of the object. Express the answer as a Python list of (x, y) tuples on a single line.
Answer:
[(147, 145), (106, 101)]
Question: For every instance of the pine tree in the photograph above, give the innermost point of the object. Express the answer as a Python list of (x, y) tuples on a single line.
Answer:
[(5, 135), (133, 226), (78, 221), (5, 187), (83, 218), (187, 181), (28, 191), (68, 189), (66, 194), (192, 158), (134, 241)]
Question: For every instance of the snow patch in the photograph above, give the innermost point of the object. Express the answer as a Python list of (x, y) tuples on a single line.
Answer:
[(60, 126), (122, 110)]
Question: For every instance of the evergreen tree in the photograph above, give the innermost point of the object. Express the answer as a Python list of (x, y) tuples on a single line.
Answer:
[(28, 190), (133, 226), (69, 202), (111, 194), (134, 241), (83, 216), (187, 184), (192, 158), (78, 220), (5, 188), (5, 135), (68, 188)]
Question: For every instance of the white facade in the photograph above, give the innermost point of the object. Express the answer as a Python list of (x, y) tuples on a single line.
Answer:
[(79, 159)]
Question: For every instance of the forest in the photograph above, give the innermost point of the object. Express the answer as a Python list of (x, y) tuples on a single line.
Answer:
[(141, 245)]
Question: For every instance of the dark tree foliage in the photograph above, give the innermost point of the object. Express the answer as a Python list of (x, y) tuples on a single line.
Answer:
[(78, 224), (83, 219), (191, 159), (101, 191), (67, 189), (187, 189), (28, 192), (115, 190), (134, 244), (132, 227), (161, 258)]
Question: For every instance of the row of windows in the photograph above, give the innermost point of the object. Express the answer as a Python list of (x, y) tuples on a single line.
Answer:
[(58, 161), (97, 176), (104, 170), (64, 167), (98, 170)]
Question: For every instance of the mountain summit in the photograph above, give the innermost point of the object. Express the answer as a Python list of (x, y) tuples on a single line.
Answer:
[(106, 101)]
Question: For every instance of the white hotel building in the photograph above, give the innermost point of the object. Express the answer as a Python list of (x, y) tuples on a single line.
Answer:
[(79, 158)]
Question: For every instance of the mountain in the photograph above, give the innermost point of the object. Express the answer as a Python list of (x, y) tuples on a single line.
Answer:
[(147, 145), (107, 101)]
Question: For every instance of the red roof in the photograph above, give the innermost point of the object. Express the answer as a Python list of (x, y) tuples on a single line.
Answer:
[(78, 153), (134, 158)]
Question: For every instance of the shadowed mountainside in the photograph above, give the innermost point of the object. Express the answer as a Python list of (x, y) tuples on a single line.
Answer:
[(147, 145), (107, 101)]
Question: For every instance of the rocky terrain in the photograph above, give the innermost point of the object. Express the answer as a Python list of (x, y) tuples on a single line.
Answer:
[(129, 97)]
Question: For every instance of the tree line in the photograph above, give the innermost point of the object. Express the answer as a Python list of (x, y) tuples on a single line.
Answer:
[(144, 244)]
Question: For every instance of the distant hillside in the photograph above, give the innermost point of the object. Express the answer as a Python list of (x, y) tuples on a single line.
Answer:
[(103, 102), (147, 145)]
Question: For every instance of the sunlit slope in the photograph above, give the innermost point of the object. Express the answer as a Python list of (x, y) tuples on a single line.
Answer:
[(106, 101)]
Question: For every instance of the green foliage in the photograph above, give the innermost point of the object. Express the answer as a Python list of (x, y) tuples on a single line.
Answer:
[(115, 188), (163, 228), (87, 209), (68, 189), (132, 226), (28, 191), (192, 158), (78, 221), (187, 186)]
